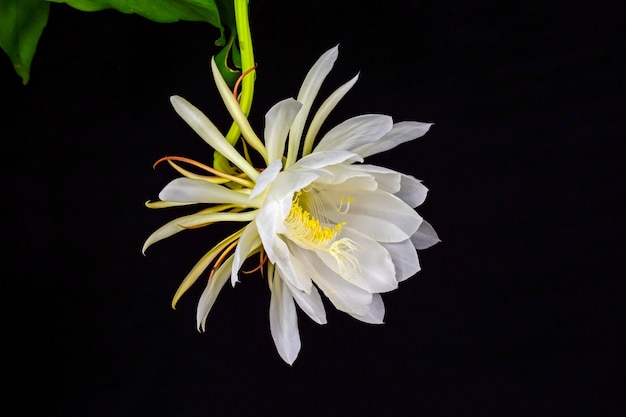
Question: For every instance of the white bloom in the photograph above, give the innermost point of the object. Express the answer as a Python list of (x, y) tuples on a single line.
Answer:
[(319, 219)]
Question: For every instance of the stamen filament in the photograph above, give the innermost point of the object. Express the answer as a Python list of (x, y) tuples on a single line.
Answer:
[(239, 180)]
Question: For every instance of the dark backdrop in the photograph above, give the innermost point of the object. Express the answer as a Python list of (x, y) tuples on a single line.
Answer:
[(518, 312)]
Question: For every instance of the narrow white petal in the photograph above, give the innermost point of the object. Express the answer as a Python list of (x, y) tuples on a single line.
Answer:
[(200, 191), (320, 160), (236, 113), (199, 220), (412, 191), (404, 258), (249, 241), (400, 133), (211, 291), (207, 131), (306, 96), (375, 312), (278, 121), (168, 229), (284, 320), (202, 265), (354, 133), (310, 303), (322, 113), (425, 236), (266, 178)]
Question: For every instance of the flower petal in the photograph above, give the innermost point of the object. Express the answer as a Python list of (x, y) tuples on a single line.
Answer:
[(378, 214), (202, 265), (320, 160), (233, 107), (412, 191), (322, 113), (290, 267), (404, 258), (310, 303), (344, 295), (278, 121), (387, 179), (354, 133), (200, 191), (168, 229), (400, 133), (211, 291), (374, 270), (425, 236), (207, 131), (375, 312), (266, 178), (306, 96), (283, 320), (249, 241)]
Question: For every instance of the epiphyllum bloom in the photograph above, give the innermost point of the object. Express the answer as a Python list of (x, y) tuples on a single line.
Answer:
[(316, 216)]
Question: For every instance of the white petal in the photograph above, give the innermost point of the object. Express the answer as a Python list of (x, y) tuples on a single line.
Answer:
[(400, 133), (386, 179), (345, 177), (201, 220), (310, 303), (266, 178), (284, 320), (378, 214), (345, 296), (211, 291), (322, 113), (375, 312), (278, 121), (233, 107), (353, 133), (306, 96), (320, 160), (412, 191), (268, 221), (249, 241), (168, 229), (290, 267), (404, 258), (200, 191), (425, 236), (374, 271), (207, 131)]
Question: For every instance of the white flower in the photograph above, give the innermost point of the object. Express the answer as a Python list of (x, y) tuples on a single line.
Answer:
[(317, 217)]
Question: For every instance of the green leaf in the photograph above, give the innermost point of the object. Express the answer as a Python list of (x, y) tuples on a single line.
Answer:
[(161, 11), (21, 25), (219, 13)]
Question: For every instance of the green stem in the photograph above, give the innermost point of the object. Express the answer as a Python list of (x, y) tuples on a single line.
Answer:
[(247, 83)]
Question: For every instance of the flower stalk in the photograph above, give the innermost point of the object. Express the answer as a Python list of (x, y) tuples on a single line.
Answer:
[(244, 38)]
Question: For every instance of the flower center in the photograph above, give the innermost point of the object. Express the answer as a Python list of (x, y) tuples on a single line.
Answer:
[(304, 226)]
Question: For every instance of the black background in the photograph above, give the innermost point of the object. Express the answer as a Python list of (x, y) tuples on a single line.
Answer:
[(518, 312)]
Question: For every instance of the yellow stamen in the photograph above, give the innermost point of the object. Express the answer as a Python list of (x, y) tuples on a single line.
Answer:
[(306, 227)]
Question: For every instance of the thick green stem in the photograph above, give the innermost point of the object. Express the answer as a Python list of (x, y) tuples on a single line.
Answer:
[(244, 38)]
